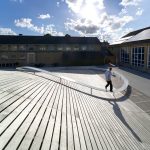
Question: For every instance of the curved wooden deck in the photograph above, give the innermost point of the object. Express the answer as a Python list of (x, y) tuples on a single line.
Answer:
[(36, 113)]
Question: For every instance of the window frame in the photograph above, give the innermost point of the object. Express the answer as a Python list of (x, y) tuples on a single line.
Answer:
[(137, 56), (125, 55)]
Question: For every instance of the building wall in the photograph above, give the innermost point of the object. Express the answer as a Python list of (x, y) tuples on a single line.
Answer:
[(49, 47), (62, 54), (117, 52), (49, 58)]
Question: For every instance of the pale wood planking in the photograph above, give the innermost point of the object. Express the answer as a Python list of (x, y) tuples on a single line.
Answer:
[(47, 115), (63, 133), (123, 130), (48, 134), (31, 123), (70, 136), (38, 137), (11, 130)]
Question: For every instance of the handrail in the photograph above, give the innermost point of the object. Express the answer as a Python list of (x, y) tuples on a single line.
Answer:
[(61, 79)]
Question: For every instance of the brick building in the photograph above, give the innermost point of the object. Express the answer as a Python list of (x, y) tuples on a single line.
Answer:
[(50, 50)]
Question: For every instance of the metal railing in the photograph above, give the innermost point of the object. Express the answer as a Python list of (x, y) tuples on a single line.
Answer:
[(72, 83)]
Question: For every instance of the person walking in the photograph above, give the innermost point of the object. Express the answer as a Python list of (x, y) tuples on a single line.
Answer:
[(108, 75)]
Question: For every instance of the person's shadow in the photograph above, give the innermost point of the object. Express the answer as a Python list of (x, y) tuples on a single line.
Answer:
[(118, 113)]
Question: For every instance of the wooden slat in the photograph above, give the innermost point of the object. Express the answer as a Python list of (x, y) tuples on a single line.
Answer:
[(36, 113), (38, 137), (48, 135), (10, 132), (63, 133)]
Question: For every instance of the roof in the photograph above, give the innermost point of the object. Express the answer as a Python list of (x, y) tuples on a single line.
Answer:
[(142, 35), (47, 39), (135, 32), (120, 41)]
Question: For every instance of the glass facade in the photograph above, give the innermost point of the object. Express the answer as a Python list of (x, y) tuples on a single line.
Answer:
[(138, 56), (124, 55)]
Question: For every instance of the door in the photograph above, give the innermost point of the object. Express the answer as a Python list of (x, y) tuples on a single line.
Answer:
[(31, 58)]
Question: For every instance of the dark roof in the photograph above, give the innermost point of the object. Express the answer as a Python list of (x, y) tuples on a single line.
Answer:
[(47, 39), (135, 32)]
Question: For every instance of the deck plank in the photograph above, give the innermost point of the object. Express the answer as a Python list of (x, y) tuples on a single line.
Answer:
[(63, 133), (36, 113), (38, 137), (47, 139), (11, 130)]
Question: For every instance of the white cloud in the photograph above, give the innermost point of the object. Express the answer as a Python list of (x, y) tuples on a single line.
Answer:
[(50, 29), (58, 4), (42, 16), (92, 19), (130, 2), (27, 23), (78, 5), (139, 12), (123, 11), (106, 28), (7, 31), (24, 23), (82, 26)]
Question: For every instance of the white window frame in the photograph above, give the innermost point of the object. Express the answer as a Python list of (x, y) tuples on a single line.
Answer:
[(136, 64)]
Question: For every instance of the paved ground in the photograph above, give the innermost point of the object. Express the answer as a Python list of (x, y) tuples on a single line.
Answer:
[(138, 80), (140, 83), (36, 113)]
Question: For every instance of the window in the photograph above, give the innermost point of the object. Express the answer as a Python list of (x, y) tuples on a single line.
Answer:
[(22, 56), (22, 47), (13, 47), (149, 57), (84, 48), (42, 48), (68, 48), (31, 48), (138, 56), (51, 48), (124, 55), (91, 48), (4, 57), (59, 48), (76, 48), (4, 47)]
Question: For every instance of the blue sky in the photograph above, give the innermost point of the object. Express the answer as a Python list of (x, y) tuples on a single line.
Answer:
[(106, 19)]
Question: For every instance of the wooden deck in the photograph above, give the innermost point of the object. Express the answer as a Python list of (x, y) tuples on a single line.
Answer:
[(36, 113)]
